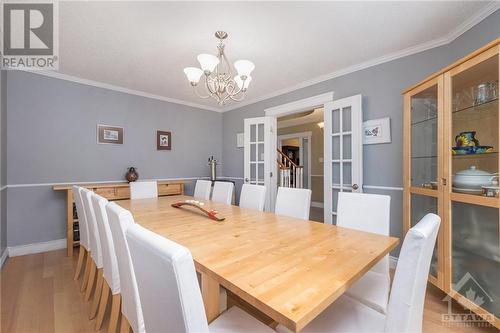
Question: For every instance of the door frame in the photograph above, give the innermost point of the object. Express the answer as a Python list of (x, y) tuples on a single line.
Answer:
[(298, 106), (300, 136)]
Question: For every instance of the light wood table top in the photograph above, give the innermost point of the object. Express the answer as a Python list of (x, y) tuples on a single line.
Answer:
[(287, 268)]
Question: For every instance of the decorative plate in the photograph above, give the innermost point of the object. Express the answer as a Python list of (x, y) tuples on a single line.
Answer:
[(470, 150)]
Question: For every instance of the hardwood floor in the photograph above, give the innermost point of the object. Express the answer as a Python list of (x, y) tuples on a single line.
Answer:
[(38, 294)]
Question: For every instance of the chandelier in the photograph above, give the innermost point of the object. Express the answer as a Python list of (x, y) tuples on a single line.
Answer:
[(218, 77)]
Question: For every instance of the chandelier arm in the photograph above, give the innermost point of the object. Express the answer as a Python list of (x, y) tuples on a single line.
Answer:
[(234, 98), (233, 86), (199, 95)]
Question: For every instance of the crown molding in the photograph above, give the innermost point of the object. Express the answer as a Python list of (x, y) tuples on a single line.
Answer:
[(447, 39), (98, 84)]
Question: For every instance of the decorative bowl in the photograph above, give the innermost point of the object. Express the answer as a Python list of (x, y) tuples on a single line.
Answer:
[(470, 150), (473, 178)]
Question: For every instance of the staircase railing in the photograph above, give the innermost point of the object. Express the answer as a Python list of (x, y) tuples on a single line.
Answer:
[(291, 174)]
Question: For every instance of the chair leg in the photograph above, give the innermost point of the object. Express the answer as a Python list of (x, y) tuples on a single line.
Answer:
[(115, 313), (97, 294), (103, 304), (125, 326), (79, 264), (86, 273), (90, 284)]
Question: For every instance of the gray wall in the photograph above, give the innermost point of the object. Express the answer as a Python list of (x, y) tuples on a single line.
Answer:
[(3, 161), (52, 139), (381, 87)]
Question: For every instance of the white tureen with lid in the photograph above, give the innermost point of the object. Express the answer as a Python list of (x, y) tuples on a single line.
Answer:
[(473, 178)]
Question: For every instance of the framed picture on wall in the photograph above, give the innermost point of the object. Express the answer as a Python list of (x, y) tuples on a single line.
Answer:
[(109, 134), (163, 140), (377, 131)]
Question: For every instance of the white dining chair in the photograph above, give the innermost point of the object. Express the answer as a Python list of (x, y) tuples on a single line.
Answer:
[(143, 190), (293, 202), (406, 303), (111, 283), (119, 221), (253, 196), (223, 192), (170, 296), (202, 189), (95, 277), (84, 252), (371, 213)]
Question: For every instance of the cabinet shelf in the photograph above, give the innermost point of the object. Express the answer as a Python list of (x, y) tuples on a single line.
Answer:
[(477, 107), (477, 156)]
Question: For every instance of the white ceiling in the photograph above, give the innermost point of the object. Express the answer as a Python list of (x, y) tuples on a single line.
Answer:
[(144, 46)]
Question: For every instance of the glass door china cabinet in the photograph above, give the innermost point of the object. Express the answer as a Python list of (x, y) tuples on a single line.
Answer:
[(451, 165)]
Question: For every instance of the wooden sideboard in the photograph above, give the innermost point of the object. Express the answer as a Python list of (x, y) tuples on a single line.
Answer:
[(110, 191)]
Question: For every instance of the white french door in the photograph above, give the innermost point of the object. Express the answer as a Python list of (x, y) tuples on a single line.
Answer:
[(343, 155), (260, 156)]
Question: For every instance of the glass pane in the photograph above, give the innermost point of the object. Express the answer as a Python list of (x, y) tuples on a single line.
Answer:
[(335, 121), (253, 152), (336, 147), (334, 219), (261, 152), (346, 167), (346, 147), (475, 126), (420, 206), (261, 133), (253, 173), (346, 119), (336, 173), (253, 135), (260, 171), (424, 138), (335, 199), (476, 254)]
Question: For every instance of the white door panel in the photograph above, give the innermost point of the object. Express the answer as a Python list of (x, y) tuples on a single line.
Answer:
[(343, 155), (260, 152)]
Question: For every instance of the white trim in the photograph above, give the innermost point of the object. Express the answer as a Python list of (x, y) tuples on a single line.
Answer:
[(96, 182), (22, 250), (295, 135), (301, 105), (317, 204), (446, 39), (393, 262), (387, 188), (97, 84), (231, 177), (3, 257), (3, 188)]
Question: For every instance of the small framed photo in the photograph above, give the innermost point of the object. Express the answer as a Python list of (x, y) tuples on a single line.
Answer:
[(377, 131), (109, 134), (163, 140)]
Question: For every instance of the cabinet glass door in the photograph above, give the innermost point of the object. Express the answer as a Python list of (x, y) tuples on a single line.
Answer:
[(424, 146), (473, 147)]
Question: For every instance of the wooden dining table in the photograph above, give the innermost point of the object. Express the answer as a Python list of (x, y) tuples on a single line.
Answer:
[(289, 269)]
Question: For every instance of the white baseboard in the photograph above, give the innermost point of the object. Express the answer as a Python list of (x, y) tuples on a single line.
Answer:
[(317, 204), (393, 262), (22, 250), (3, 257)]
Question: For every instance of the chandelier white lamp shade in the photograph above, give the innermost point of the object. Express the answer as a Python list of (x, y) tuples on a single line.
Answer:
[(217, 75)]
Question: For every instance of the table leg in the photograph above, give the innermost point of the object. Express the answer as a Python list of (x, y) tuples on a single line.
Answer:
[(210, 292)]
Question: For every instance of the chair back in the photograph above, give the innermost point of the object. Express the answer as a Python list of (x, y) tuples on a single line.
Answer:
[(293, 202), (253, 196), (202, 189), (167, 283), (110, 266), (95, 241), (366, 212), (82, 218), (119, 221), (223, 192), (406, 303), (143, 190)]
